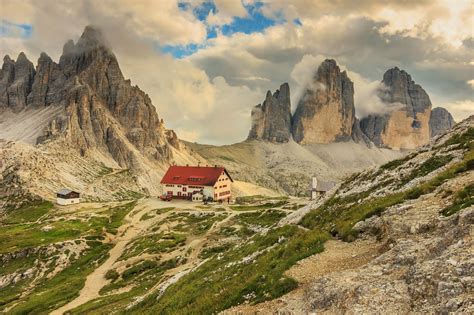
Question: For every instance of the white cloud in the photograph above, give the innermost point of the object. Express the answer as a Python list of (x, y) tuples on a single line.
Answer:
[(471, 83), (226, 11), (460, 109)]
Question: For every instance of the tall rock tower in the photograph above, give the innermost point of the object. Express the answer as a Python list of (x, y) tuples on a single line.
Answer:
[(406, 125), (271, 120), (326, 112)]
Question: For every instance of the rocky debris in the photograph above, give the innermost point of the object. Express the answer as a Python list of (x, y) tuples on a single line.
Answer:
[(325, 112), (50, 260), (440, 121), (406, 123), (271, 120), (16, 79), (426, 270)]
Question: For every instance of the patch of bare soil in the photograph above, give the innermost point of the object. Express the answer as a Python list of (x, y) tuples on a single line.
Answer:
[(337, 256)]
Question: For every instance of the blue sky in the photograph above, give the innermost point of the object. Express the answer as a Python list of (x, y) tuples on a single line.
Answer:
[(254, 22), (9, 29)]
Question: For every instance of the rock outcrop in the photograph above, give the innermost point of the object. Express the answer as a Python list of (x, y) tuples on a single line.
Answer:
[(325, 113), (271, 120), (406, 124), (102, 110), (16, 79), (440, 121)]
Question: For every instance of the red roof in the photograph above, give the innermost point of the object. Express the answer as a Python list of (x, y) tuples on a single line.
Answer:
[(193, 175)]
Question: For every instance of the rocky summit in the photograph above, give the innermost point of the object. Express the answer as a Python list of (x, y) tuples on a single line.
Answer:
[(440, 121), (406, 123), (100, 109), (326, 112), (271, 120)]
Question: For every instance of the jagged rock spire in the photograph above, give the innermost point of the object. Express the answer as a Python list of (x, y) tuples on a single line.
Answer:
[(272, 120), (325, 112)]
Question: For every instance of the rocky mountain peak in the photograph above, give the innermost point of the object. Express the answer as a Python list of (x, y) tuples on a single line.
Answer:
[(440, 121), (16, 78), (325, 112), (402, 89), (7, 59), (100, 109), (406, 123), (271, 120)]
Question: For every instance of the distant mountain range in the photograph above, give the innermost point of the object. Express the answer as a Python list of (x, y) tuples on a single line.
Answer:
[(326, 113), (82, 109)]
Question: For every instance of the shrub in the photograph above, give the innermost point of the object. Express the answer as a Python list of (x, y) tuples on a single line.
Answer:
[(112, 275)]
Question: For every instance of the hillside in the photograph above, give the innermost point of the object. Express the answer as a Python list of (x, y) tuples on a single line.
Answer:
[(413, 216), (288, 167), (399, 234)]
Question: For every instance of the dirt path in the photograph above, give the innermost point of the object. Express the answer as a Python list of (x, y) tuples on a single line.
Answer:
[(96, 280), (192, 262), (337, 256)]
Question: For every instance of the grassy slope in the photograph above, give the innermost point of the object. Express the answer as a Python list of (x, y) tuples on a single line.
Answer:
[(49, 294), (225, 280)]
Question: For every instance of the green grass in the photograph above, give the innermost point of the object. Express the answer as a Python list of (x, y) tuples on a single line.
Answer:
[(28, 213), (211, 251), (212, 287), (463, 140), (263, 218), (21, 236), (138, 269), (118, 214), (140, 282), (195, 223), (65, 286), (267, 205), (147, 216), (396, 163), (462, 199), (257, 198), (426, 167), (153, 244), (339, 215), (112, 275)]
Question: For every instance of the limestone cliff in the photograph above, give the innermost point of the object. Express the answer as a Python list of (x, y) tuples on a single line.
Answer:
[(440, 121), (325, 112), (271, 120), (101, 110), (406, 124), (16, 79)]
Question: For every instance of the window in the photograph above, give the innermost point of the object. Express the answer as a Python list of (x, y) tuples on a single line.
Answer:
[(169, 192), (184, 188), (179, 194)]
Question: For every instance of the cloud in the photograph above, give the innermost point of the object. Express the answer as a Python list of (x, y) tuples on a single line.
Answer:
[(471, 83), (226, 11), (366, 91), (460, 109)]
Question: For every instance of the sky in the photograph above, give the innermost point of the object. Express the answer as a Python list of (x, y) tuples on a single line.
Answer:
[(205, 64)]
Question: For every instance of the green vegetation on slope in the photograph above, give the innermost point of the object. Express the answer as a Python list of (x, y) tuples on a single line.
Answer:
[(28, 212), (267, 205), (462, 199), (339, 215), (253, 271), (65, 286)]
